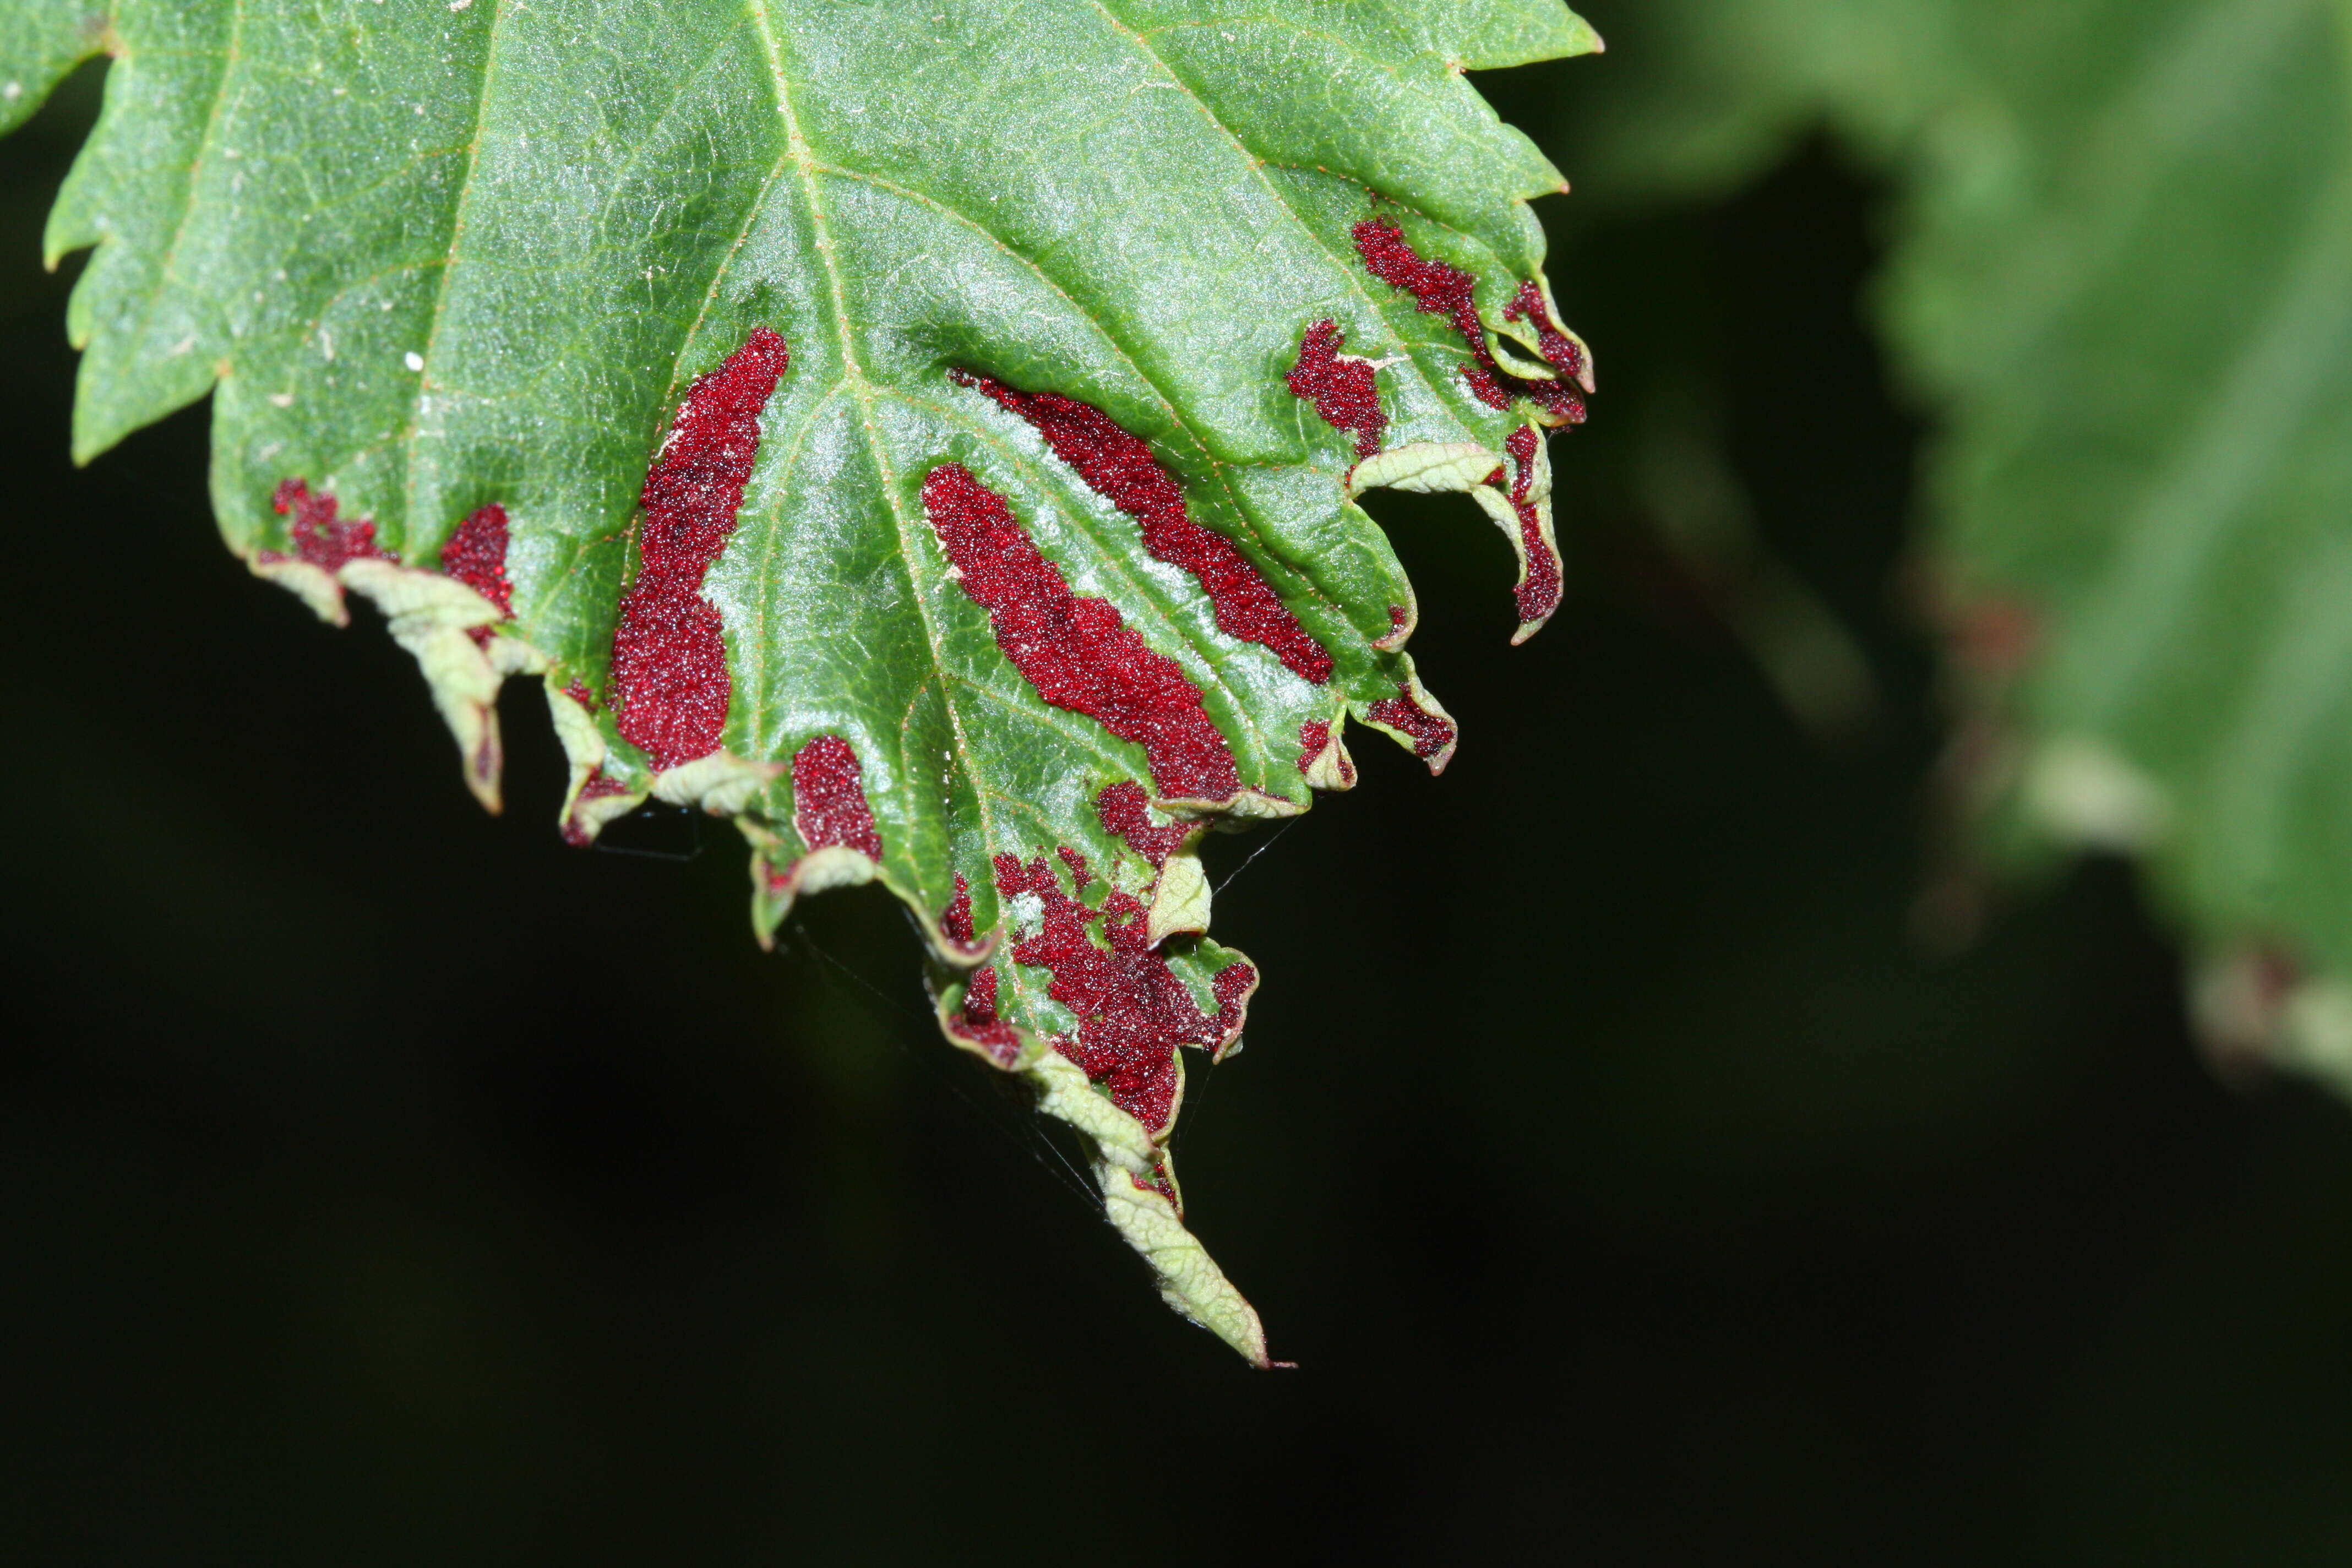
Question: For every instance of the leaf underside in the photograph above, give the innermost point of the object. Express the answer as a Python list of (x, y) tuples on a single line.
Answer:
[(926, 437), (2124, 275)]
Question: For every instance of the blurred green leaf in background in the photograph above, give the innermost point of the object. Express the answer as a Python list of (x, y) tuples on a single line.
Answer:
[(2120, 284)]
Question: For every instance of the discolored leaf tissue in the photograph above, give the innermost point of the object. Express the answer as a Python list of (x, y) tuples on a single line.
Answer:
[(927, 435)]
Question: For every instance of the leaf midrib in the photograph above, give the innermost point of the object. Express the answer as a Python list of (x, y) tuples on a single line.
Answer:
[(796, 152)]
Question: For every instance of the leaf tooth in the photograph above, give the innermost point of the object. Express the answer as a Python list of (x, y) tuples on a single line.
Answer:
[(1418, 723)]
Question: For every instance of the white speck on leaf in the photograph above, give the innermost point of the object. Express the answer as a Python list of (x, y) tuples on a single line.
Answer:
[(413, 359)]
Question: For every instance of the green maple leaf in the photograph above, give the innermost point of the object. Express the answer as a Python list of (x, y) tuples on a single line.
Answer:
[(927, 435), (2123, 277)]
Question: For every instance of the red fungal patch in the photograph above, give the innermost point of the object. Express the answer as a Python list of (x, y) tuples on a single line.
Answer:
[(1121, 469), (1126, 811), (1315, 738), (669, 659), (1538, 589), (1559, 350), (977, 1022), (1132, 1010), (476, 555), (1079, 873), (956, 921), (1431, 734), (1342, 389), (1232, 986), (578, 691), (320, 538), (1074, 649), (576, 832), (829, 799), (1443, 290)]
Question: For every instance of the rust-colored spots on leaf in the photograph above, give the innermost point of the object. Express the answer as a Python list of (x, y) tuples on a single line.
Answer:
[(1314, 742), (1074, 649), (476, 555), (1342, 386), (1126, 812), (1119, 468), (577, 831), (322, 538), (1433, 734), (960, 936), (829, 799), (1539, 587), (1313, 736), (1132, 1010), (956, 920), (977, 1023), (669, 659), (1559, 350), (1444, 289)]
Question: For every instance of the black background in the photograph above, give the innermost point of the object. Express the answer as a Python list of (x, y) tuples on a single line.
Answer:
[(388, 1183)]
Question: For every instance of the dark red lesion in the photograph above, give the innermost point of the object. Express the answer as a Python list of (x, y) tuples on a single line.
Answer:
[(955, 921), (1539, 585), (1126, 813), (1430, 733), (578, 691), (1132, 1010), (1440, 289), (1119, 467), (1075, 650), (1163, 1181), (476, 555), (1342, 386), (669, 657), (829, 805), (598, 787), (320, 538), (1559, 350), (976, 1020), (1313, 737), (1314, 740)]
